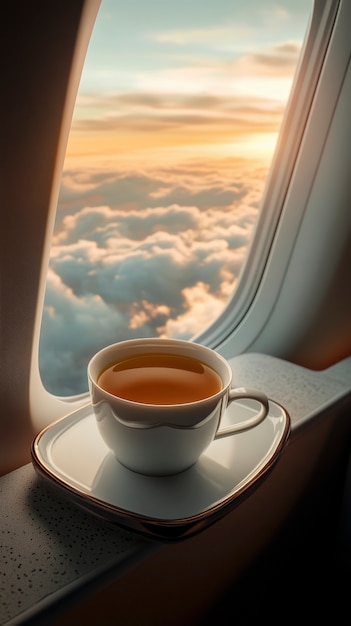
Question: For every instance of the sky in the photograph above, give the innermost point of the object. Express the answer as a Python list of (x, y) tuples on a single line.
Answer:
[(175, 124)]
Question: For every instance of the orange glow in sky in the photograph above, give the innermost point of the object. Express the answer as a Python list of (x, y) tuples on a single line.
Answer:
[(179, 80)]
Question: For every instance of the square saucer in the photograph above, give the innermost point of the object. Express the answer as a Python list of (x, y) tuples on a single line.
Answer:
[(71, 454)]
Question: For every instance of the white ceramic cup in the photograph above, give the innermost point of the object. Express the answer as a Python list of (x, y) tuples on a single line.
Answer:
[(164, 439)]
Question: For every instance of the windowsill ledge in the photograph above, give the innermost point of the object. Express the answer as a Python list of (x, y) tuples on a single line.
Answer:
[(51, 550)]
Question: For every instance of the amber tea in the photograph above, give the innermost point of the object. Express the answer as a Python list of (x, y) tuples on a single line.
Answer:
[(160, 378)]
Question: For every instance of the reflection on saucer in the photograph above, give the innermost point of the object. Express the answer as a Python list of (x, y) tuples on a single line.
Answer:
[(165, 497)]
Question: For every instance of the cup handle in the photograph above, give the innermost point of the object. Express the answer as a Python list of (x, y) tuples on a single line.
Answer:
[(248, 394)]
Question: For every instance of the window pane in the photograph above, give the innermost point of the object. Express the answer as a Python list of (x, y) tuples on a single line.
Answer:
[(174, 128)]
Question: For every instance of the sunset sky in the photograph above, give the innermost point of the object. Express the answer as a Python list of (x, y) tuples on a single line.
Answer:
[(183, 77), (176, 120)]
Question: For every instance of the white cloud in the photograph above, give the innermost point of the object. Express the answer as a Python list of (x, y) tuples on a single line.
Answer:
[(202, 308)]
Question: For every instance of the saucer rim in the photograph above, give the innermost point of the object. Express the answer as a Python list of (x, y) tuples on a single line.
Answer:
[(166, 530)]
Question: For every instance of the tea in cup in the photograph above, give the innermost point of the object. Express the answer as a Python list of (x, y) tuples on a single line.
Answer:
[(158, 402)]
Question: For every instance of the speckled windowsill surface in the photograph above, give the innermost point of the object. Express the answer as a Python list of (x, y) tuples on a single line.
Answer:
[(302, 392), (50, 548)]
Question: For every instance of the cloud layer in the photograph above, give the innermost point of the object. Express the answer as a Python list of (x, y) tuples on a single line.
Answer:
[(142, 254)]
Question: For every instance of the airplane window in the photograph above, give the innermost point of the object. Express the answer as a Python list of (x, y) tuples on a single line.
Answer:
[(174, 129)]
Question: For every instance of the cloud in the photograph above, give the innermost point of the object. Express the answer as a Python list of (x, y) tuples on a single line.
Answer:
[(201, 305), (130, 191), (143, 112), (73, 328), (277, 61), (141, 264), (209, 36)]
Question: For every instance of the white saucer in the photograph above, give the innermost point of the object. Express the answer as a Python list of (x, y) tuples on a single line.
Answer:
[(72, 455)]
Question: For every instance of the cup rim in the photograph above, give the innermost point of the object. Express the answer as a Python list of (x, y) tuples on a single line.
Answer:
[(160, 341)]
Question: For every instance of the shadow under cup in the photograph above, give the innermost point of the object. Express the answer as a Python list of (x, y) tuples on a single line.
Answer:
[(164, 439)]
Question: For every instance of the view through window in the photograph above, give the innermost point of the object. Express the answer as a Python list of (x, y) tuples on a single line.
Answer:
[(173, 132)]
